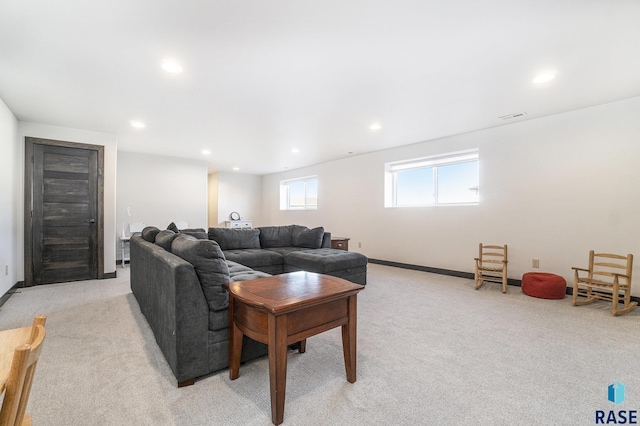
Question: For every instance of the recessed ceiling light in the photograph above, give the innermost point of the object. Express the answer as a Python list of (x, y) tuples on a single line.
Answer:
[(375, 126), (137, 124), (206, 152), (514, 115), (235, 169), (295, 150), (172, 67), (543, 78)]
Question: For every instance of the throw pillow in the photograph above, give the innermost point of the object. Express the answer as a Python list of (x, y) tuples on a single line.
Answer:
[(172, 227), (165, 238), (308, 238), (210, 266), (149, 233), (199, 233)]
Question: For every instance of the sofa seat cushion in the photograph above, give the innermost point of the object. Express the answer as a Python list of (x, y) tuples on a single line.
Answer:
[(325, 260), (220, 319), (231, 239), (235, 268), (286, 250), (240, 272), (254, 258), (248, 275), (355, 275), (199, 233)]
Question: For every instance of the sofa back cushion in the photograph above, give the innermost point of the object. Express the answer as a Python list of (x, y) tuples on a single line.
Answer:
[(276, 236), (149, 233), (199, 233), (232, 239), (307, 238), (165, 238), (210, 265)]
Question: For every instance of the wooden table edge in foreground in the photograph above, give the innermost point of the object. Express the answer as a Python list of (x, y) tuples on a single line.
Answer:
[(287, 309)]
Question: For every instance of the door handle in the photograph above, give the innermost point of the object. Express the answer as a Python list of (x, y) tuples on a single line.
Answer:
[(91, 220)]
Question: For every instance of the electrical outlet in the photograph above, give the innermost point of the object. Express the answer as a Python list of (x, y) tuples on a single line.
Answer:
[(6, 269), (359, 245), (535, 263)]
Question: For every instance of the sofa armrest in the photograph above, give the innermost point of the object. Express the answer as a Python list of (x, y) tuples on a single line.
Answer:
[(170, 297), (326, 240)]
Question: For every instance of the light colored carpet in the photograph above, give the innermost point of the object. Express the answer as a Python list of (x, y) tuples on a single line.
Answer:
[(431, 350)]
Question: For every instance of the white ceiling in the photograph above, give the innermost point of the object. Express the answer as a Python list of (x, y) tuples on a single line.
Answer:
[(262, 77)]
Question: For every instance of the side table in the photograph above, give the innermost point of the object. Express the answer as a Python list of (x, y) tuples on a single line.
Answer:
[(238, 224), (340, 243), (123, 242), (286, 309)]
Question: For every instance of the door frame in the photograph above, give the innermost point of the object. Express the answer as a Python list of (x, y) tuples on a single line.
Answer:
[(28, 202)]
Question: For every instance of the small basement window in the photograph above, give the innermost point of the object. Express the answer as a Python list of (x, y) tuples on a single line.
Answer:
[(447, 179), (299, 194)]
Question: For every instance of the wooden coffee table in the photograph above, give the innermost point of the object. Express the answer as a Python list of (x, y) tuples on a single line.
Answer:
[(286, 309)]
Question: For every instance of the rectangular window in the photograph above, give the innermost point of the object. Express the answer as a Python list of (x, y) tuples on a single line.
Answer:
[(445, 179), (299, 194)]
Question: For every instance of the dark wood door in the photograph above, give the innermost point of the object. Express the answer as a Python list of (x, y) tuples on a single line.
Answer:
[(66, 217)]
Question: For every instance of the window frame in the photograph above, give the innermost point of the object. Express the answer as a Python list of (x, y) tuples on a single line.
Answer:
[(286, 186), (432, 162)]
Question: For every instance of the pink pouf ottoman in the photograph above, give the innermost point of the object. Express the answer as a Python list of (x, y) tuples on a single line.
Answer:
[(544, 285)]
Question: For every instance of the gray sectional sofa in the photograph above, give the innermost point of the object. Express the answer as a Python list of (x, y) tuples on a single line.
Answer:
[(279, 249), (177, 279)]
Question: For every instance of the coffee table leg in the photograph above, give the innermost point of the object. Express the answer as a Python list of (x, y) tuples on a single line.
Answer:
[(277, 365), (349, 340), (235, 344)]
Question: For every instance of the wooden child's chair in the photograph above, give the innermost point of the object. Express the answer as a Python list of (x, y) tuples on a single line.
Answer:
[(610, 276), (491, 265)]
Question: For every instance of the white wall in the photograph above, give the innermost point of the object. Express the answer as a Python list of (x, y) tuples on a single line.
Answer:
[(552, 188), (213, 200), (110, 143), (9, 210), (159, 190), (237, 192)]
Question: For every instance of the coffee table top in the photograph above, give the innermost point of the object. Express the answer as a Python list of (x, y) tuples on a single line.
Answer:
[(292, 291)]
